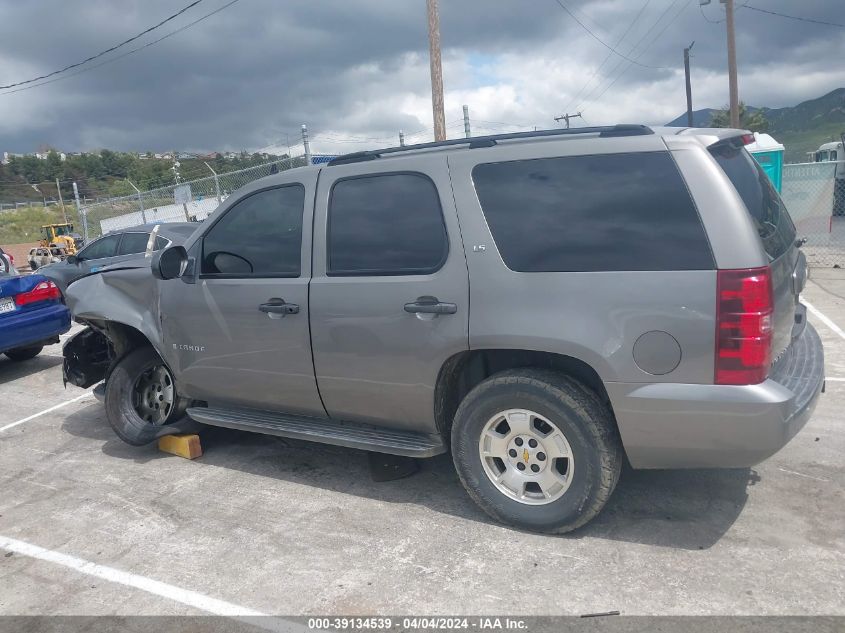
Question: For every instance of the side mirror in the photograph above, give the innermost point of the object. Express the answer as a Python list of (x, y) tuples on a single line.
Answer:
[(72, 259), (169, 263)]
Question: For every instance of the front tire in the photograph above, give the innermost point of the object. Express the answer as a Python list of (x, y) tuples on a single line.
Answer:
[(24, 353), (141, 397), (537, 450)]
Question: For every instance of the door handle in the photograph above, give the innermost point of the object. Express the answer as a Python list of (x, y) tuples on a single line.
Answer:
[(430, 305), (278, 306)]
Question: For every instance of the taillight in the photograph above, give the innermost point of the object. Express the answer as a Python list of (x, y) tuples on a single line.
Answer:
[(45, 291), (747, 139), (743, 326)]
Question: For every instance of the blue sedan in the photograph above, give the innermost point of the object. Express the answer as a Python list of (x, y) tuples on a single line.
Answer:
[(32, 313)]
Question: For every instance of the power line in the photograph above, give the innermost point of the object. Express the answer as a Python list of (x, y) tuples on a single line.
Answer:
[(641, 53), (794, 17), (602, 42), (604, 61), (130, 52), (108, 50), (704, 15), (621, 63)]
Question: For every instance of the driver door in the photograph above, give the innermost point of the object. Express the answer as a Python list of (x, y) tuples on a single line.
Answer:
[(236, 329)]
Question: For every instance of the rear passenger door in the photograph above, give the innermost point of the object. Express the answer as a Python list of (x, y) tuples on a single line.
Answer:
[(390, 292), (98, 254), (131, 244)]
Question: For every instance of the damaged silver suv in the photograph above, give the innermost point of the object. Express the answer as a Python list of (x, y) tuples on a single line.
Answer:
[(544, 305)]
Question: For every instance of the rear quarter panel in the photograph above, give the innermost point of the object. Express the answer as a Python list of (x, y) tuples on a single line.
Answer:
[(595, 317)]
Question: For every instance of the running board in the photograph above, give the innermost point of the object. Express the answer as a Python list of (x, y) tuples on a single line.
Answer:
[(349, 434)]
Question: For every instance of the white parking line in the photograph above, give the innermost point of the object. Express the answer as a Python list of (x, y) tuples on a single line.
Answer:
[(155, 587), (824, 319), (45, 411)]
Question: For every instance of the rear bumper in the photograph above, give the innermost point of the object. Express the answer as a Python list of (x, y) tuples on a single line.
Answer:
[(31, 327), (671, 425)]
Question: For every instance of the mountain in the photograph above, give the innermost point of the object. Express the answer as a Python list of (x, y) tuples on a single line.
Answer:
[(700, 118), (801, 128)]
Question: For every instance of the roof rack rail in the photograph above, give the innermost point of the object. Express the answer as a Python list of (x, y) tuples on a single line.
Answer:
[(606, 131)]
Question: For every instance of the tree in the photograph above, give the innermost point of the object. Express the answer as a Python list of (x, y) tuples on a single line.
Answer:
[(53, 165), (748, 120)]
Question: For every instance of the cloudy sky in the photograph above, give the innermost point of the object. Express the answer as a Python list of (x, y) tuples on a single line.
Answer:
[(356, 71)]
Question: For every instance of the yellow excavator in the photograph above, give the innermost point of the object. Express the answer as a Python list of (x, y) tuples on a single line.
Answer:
[(60, 236)]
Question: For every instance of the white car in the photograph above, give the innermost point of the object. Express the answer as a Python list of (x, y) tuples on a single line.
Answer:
[(41, 256), (8, 258)]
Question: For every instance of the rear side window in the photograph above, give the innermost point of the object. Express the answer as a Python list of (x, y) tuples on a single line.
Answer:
[(260, 235), (133, 243), (104, 247), (389, 224), (592, 213), (762, 200)]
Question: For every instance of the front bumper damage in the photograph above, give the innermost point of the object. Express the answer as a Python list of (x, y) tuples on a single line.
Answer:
[(87, 358)]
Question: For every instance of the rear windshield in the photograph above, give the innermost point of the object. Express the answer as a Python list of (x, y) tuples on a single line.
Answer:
[(760, 197)]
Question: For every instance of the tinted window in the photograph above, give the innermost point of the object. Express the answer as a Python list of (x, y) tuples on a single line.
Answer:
[(260, 235), (763, 202), (588, 213), (160, 243), (386, 225), (104, 247), (133, 243)]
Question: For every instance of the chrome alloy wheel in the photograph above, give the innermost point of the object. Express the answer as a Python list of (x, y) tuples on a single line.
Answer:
[(152, 395), (526, 456)]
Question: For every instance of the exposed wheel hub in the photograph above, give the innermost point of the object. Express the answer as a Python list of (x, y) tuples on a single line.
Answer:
[(526, 456), (153, 395)]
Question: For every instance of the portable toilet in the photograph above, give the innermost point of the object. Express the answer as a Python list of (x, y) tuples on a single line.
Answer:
[(769, 153)]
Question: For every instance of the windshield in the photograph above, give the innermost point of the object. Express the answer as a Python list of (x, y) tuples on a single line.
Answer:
[(762, 200)]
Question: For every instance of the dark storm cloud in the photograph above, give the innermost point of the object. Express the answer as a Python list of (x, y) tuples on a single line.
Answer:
[(248, 75)]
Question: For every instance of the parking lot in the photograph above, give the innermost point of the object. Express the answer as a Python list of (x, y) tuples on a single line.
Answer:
[(89, 525)]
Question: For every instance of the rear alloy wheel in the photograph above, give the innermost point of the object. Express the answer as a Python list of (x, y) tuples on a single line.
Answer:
[(24, 353), (526, 456), (141, 397), (537, 449)]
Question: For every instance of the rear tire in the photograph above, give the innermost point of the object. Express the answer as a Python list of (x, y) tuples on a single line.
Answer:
[(141, 397), (24, 353), (561, 454)]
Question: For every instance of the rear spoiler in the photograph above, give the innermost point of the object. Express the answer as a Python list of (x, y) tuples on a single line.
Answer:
[(734, 142)]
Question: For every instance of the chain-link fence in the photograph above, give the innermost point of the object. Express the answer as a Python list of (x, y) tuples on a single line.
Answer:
[(184, 202), (814, 193)]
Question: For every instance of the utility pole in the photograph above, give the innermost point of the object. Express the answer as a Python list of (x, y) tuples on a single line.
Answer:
[(140, 201), (566, 117), (306, 144), (734, 89), (689, 85), (467, 131), (83, 214), (436, 70), (401, 138), (62, 202)]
